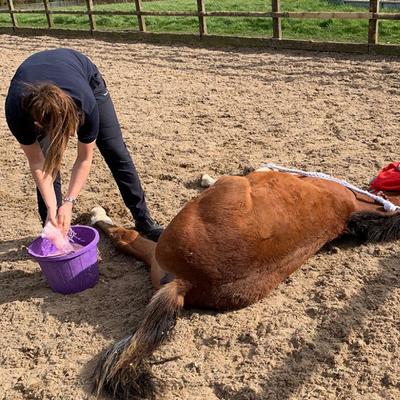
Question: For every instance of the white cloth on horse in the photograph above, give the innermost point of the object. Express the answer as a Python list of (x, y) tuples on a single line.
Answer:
[(99, 214), (207, 181), (387, 205)]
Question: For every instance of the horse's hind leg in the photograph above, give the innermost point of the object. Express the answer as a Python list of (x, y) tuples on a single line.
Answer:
[(125, 240), (130, 242), (120, 237)]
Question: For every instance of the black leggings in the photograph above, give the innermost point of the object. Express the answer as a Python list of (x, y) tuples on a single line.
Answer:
[(113, 149)]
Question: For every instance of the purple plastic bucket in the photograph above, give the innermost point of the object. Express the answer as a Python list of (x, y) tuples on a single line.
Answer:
[(69, 273)]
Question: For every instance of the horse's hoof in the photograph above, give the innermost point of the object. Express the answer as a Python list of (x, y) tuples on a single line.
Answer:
[(207, 181)]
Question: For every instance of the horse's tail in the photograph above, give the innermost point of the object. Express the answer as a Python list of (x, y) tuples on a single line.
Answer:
[(375, 227), (123, 370)]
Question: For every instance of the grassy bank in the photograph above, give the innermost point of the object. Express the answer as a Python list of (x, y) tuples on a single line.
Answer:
[(309, 29)]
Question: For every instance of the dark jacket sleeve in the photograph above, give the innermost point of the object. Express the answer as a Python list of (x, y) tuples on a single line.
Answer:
[(20, 123)]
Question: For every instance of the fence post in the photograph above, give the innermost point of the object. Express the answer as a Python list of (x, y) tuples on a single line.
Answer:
[(13, 17), (373, 23), (276, 22), (48, 13), (201, 8), (89, 4), (141, 21)]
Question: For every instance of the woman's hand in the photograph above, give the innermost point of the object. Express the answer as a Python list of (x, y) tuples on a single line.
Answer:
[(64, 216), (80, 172)]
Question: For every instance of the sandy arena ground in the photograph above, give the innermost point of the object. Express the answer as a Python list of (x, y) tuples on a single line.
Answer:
[(330, 331)]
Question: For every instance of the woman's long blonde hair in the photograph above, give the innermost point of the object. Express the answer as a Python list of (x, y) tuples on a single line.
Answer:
[(58, 116)]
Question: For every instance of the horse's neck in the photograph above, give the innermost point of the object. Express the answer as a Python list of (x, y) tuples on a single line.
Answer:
[(394, 197), (365, 203), (356, 199)]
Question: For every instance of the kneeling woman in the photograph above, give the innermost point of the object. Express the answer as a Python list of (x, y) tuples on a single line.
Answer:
[(56, 94)]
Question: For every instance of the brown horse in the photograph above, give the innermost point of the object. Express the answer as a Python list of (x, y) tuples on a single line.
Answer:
[(228, 248)]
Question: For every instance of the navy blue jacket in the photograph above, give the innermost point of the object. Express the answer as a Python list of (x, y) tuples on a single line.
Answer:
[(69, 70)]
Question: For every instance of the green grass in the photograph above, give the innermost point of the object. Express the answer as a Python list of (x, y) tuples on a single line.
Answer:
[(308, 29)]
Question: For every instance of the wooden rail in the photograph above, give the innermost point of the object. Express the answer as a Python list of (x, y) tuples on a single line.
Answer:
[(373, 16)]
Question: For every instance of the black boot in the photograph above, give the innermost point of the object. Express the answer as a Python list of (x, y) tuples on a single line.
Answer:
[(149, 228)]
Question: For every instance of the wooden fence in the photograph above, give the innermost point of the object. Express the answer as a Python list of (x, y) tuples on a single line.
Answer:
[(372, 46)]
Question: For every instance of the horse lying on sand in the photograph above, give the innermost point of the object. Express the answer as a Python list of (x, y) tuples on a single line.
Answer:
[(226, 249)]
